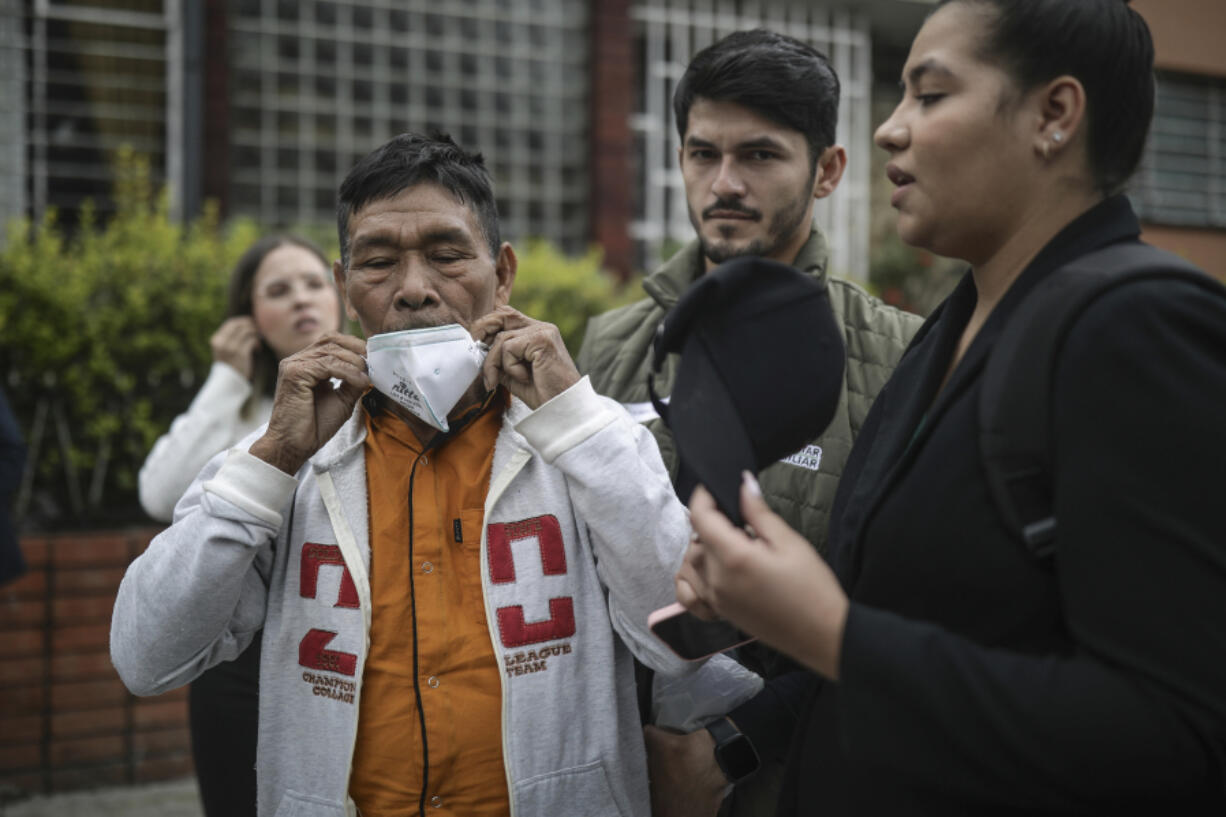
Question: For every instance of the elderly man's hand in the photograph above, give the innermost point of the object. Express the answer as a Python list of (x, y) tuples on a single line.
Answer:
[(306, 410), (527, 356)]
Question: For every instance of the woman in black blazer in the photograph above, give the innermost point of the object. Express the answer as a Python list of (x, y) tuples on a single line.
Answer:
[(961, 674)]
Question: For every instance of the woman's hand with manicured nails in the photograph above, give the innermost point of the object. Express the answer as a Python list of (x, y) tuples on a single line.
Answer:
[(772, 585)]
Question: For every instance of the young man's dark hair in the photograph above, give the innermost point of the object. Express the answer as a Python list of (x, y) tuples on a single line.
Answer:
[(772, 74), (411, 159)]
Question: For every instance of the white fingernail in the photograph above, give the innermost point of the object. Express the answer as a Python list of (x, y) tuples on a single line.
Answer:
[(751, 483)]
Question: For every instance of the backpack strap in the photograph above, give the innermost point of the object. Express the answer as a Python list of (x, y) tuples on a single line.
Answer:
[(1016, 402)]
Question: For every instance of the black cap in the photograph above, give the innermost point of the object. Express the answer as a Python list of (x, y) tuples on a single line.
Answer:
[(760, 373)]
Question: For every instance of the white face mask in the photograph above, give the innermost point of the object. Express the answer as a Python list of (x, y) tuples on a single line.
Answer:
[(425, 370)]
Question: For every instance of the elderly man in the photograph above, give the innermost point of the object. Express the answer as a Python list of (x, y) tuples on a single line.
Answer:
[(450, 596), (756, 113)]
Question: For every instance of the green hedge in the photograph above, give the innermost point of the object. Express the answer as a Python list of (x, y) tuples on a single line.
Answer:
[(566, 291), (104, 337)]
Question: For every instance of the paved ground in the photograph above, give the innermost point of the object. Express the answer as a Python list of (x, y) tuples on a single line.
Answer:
[(174, 799)]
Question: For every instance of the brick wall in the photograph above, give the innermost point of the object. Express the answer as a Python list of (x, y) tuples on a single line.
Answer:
[(66, 720)]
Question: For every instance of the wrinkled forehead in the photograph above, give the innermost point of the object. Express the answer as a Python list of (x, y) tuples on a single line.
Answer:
[(420, 213)]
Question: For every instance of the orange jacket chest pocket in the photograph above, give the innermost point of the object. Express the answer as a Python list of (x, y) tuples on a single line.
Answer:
[(466, 538)]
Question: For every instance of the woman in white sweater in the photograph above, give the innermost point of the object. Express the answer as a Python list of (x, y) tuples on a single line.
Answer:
[(281, 299)]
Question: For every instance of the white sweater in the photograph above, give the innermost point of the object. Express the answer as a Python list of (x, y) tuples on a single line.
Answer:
[(212, 423)]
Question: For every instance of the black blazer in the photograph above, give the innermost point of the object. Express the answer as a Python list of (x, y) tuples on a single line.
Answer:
[(975, 680)]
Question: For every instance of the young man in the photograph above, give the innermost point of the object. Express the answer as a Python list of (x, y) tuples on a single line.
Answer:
[(756, 113), (448, 616)]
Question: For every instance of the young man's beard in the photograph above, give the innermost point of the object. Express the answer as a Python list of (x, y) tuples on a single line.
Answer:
[(779, 232)]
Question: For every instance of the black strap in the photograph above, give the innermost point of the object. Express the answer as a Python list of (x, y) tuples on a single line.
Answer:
[(644, 683), (1016, 403)]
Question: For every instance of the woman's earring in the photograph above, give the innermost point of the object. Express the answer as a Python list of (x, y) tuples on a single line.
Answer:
[(1057, 137)]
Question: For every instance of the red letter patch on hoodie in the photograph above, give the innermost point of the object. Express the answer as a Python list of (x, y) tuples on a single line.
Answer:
[(311, 652), (513, 629)]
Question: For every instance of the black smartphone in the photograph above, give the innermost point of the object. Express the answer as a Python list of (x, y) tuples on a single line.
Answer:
[(691, 637)]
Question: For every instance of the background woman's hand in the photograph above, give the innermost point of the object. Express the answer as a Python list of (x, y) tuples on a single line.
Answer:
[(774, 586), (234, 343)]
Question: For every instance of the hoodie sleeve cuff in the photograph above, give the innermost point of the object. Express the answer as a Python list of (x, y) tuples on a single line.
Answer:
[(567, 420), (253, 485)]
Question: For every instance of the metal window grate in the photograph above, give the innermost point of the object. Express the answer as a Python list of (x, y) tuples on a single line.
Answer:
[(98, 79), (1182, 178), (315, 85), (12, 112), (670, 32)]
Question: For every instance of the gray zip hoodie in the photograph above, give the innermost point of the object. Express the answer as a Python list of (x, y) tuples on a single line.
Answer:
[(253, 547)]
